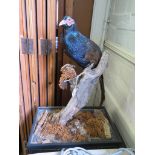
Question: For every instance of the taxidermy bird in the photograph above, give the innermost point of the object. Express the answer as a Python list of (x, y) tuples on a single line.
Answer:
[(80, 48)]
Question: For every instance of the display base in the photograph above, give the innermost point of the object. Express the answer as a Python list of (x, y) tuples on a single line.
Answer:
[(115, 141)]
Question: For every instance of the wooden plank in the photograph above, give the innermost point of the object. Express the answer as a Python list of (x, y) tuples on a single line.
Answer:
[(22, 21), (41, 24), (22, 124), (69, 7), (82, 14), (22, 108), (51, 34), (26, 90), (61, 13), (24, 60), (31, 28), (22, 140)]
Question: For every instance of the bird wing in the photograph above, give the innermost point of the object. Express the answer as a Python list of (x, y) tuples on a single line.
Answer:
[(76, 44), (81, 48)]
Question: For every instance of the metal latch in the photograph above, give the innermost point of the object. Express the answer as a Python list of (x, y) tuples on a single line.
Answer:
[(46, 46), (27, 45)]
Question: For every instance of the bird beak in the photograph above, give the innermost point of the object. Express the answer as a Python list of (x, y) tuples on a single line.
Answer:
[(63, 22)]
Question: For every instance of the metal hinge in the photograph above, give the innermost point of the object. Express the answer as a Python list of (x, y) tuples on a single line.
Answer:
[(27, 45), (45, 46)]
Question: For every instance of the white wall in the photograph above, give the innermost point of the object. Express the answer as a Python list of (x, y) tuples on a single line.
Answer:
[(120, 95), (118, 39), (119, 76), (99, 21), (121, 28)]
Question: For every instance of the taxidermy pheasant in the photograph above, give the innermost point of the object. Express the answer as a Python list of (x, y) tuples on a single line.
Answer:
[(80, 48)]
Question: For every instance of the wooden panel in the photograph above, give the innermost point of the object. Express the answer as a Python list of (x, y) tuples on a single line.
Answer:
[(22, 109), (31, 27), (69, 8), (41, 24), (22, 21), (22, 125), (37, 71), (61, 11), (51, 34), (26, 90), (24, 61), (82, 14), (22, 140)]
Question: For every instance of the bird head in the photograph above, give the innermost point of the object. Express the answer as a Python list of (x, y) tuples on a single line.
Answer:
[(67, 22)]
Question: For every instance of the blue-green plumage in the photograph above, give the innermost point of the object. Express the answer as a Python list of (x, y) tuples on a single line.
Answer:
[(79, 47), (76, 45)]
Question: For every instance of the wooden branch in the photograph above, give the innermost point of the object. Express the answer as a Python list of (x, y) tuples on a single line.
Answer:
[(83, 88)]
